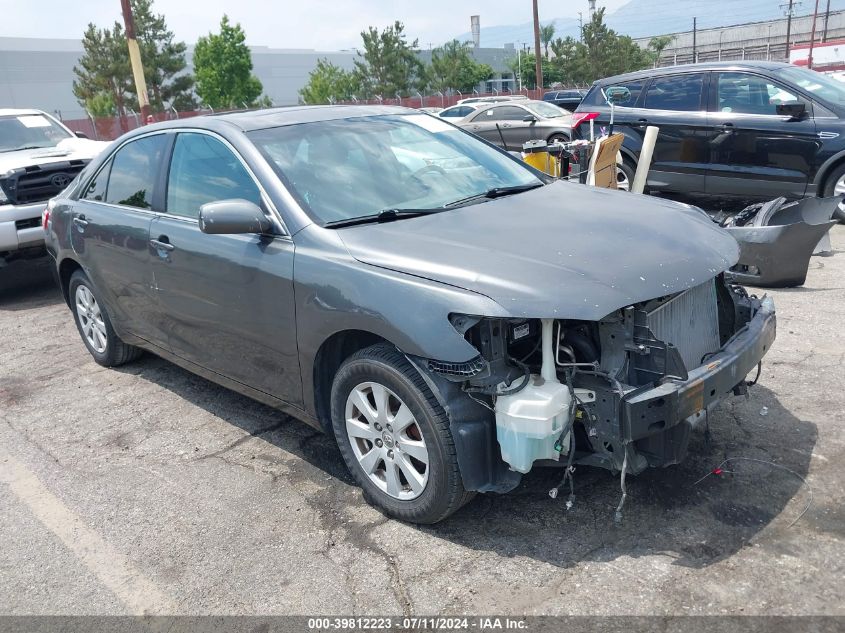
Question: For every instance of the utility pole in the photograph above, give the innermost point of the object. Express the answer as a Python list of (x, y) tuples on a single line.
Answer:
[(790, 8), (694, 47), (812, 36), (826, 18), (581, 26), (135, 59), (537, 58)]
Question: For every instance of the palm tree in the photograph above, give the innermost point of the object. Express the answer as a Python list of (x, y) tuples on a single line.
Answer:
[(547, 34)]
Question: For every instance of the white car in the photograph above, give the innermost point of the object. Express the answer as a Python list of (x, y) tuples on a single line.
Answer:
[(39, 157)]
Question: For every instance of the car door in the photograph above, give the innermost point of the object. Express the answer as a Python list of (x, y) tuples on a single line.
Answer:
[(755, 152), (676, 104), (501, 122), (227, 299), (110, 233)]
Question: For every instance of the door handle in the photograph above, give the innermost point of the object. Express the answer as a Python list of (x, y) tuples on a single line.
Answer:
[(80, 222), (161, 244), (727, 128)]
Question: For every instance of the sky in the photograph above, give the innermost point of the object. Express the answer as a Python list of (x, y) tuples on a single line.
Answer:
[(314, 24)]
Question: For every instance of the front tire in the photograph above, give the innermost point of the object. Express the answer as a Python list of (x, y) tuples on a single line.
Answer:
[(94, 325), (395, 438)]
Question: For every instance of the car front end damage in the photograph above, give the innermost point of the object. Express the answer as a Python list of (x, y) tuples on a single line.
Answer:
[(622, 393)]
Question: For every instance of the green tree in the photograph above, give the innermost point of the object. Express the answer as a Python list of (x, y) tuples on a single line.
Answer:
[(329, 82), (523, 66), (223, 69), (657, 45), (454, 68), (388, 64), (547, 34), (164, 60), (101, 105), (104, 67), (602, 53)]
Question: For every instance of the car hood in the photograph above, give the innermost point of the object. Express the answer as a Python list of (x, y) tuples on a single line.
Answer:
[(560, 251), (67, 149)]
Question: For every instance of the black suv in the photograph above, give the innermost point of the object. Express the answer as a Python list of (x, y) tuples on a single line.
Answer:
[(743, 129), (566, 99)]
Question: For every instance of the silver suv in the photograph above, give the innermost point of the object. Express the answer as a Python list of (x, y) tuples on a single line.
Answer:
[(39, 157)]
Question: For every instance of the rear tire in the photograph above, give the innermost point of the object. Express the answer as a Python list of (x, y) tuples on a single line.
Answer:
[(836, 177), (410, 473), (625, 175), (94, 326)]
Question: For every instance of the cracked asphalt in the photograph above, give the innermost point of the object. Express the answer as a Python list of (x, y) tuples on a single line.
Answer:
[(146, 489)]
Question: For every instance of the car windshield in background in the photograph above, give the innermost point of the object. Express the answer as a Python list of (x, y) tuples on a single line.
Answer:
[(815, 83), (545, 110), (351, 168), (29, 131)]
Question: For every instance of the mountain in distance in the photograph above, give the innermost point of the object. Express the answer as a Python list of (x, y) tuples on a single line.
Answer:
[(644, 18)]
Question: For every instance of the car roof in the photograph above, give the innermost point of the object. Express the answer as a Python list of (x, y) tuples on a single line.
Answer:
[(700, 67), (249, 120), (19, 111)]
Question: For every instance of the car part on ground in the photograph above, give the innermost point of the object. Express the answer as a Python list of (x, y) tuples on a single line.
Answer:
[(532, 322), (777, 239)]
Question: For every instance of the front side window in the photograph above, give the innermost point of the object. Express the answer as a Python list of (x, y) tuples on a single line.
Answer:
[(30, 131), (749, 94), (681, 93), (354, 167), (134, 172), (203, 169)]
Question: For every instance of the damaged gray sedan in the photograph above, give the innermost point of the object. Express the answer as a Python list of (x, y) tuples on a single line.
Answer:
[(453, 317)]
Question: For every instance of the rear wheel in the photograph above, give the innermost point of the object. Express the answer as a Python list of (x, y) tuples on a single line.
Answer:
[(625, 175), (835, 183), (394, 437), (94, 325)]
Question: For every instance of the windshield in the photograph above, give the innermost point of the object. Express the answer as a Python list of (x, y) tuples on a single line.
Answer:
[(351, 168), (29, 131), (545, 110), (815, 83)]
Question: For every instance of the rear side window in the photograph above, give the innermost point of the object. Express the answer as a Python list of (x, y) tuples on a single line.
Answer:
[(96, 189), (681, 93), (134, 171), (595, 98), (203, 169)]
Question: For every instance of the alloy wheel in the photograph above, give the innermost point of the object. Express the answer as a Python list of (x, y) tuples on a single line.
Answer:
[(90, 319), (839, 187), (387, 441)]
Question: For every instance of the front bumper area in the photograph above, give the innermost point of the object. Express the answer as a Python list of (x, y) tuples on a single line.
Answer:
[(658, 419), (20, 226)]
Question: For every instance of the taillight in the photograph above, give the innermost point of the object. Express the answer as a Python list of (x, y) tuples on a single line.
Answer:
[(579, 117), (45, 215)]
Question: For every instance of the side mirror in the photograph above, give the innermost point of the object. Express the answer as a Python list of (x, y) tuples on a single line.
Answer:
[(529, 118), (81, 134), (796, 111), (617, 94), (230, 217)]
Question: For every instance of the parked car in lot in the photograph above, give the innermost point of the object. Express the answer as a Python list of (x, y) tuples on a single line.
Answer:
[(510, 125), (38, 158), (753, 130), (451, 316), (566, 99)]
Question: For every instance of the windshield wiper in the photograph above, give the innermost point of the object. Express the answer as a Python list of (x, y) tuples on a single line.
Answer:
[(20, 149), (496, 192), (388, 215)]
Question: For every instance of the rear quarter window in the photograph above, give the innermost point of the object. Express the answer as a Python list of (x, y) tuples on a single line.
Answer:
[(595, 98)]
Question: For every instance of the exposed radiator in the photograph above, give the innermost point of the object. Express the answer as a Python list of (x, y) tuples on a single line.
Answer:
[(690, 321)]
